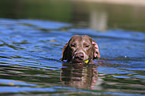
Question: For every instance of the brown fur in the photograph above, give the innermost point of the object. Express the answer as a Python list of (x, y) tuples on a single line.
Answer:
[(80, 48)]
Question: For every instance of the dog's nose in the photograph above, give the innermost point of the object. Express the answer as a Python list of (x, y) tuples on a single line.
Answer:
[(79, 56)]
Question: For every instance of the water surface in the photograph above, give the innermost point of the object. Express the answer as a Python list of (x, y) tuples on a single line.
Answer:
[(30, 52)]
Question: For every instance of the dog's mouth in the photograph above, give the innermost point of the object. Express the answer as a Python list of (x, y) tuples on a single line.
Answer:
[(79, 60)]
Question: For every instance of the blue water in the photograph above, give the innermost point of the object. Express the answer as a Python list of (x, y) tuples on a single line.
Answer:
[(30, 53)]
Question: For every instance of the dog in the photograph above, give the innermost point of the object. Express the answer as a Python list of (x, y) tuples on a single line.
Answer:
[(79, 49)]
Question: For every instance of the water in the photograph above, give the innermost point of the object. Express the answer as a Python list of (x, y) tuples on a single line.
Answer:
[(30, 53), (31, 48)]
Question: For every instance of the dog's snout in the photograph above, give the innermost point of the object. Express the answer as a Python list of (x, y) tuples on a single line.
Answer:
[(79, 56)]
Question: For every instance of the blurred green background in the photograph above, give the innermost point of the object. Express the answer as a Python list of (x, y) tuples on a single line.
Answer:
[(99, 16)]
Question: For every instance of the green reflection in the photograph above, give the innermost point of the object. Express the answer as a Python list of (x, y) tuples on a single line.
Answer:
[(97, 16), (36, 9)]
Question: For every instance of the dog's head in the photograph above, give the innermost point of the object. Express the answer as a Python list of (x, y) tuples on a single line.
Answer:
[(80, 48)]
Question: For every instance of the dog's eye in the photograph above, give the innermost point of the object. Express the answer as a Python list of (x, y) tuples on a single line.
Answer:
[(86, 45), (73, 45)]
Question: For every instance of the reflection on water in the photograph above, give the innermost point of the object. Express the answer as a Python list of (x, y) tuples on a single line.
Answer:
[(79, 75), (98, 20), (107, 16), (100, 16), (85, 76)]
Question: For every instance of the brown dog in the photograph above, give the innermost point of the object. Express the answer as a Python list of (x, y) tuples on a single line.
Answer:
[(80, 48)]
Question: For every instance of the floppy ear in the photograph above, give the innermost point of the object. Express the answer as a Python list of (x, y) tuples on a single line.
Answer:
[(96, 53), (66, 53)]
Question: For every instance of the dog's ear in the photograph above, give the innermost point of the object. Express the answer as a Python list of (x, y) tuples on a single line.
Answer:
[(66, 53), (96, 53)]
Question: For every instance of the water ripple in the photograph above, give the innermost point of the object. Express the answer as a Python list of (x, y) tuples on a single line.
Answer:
[(30, 53)]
